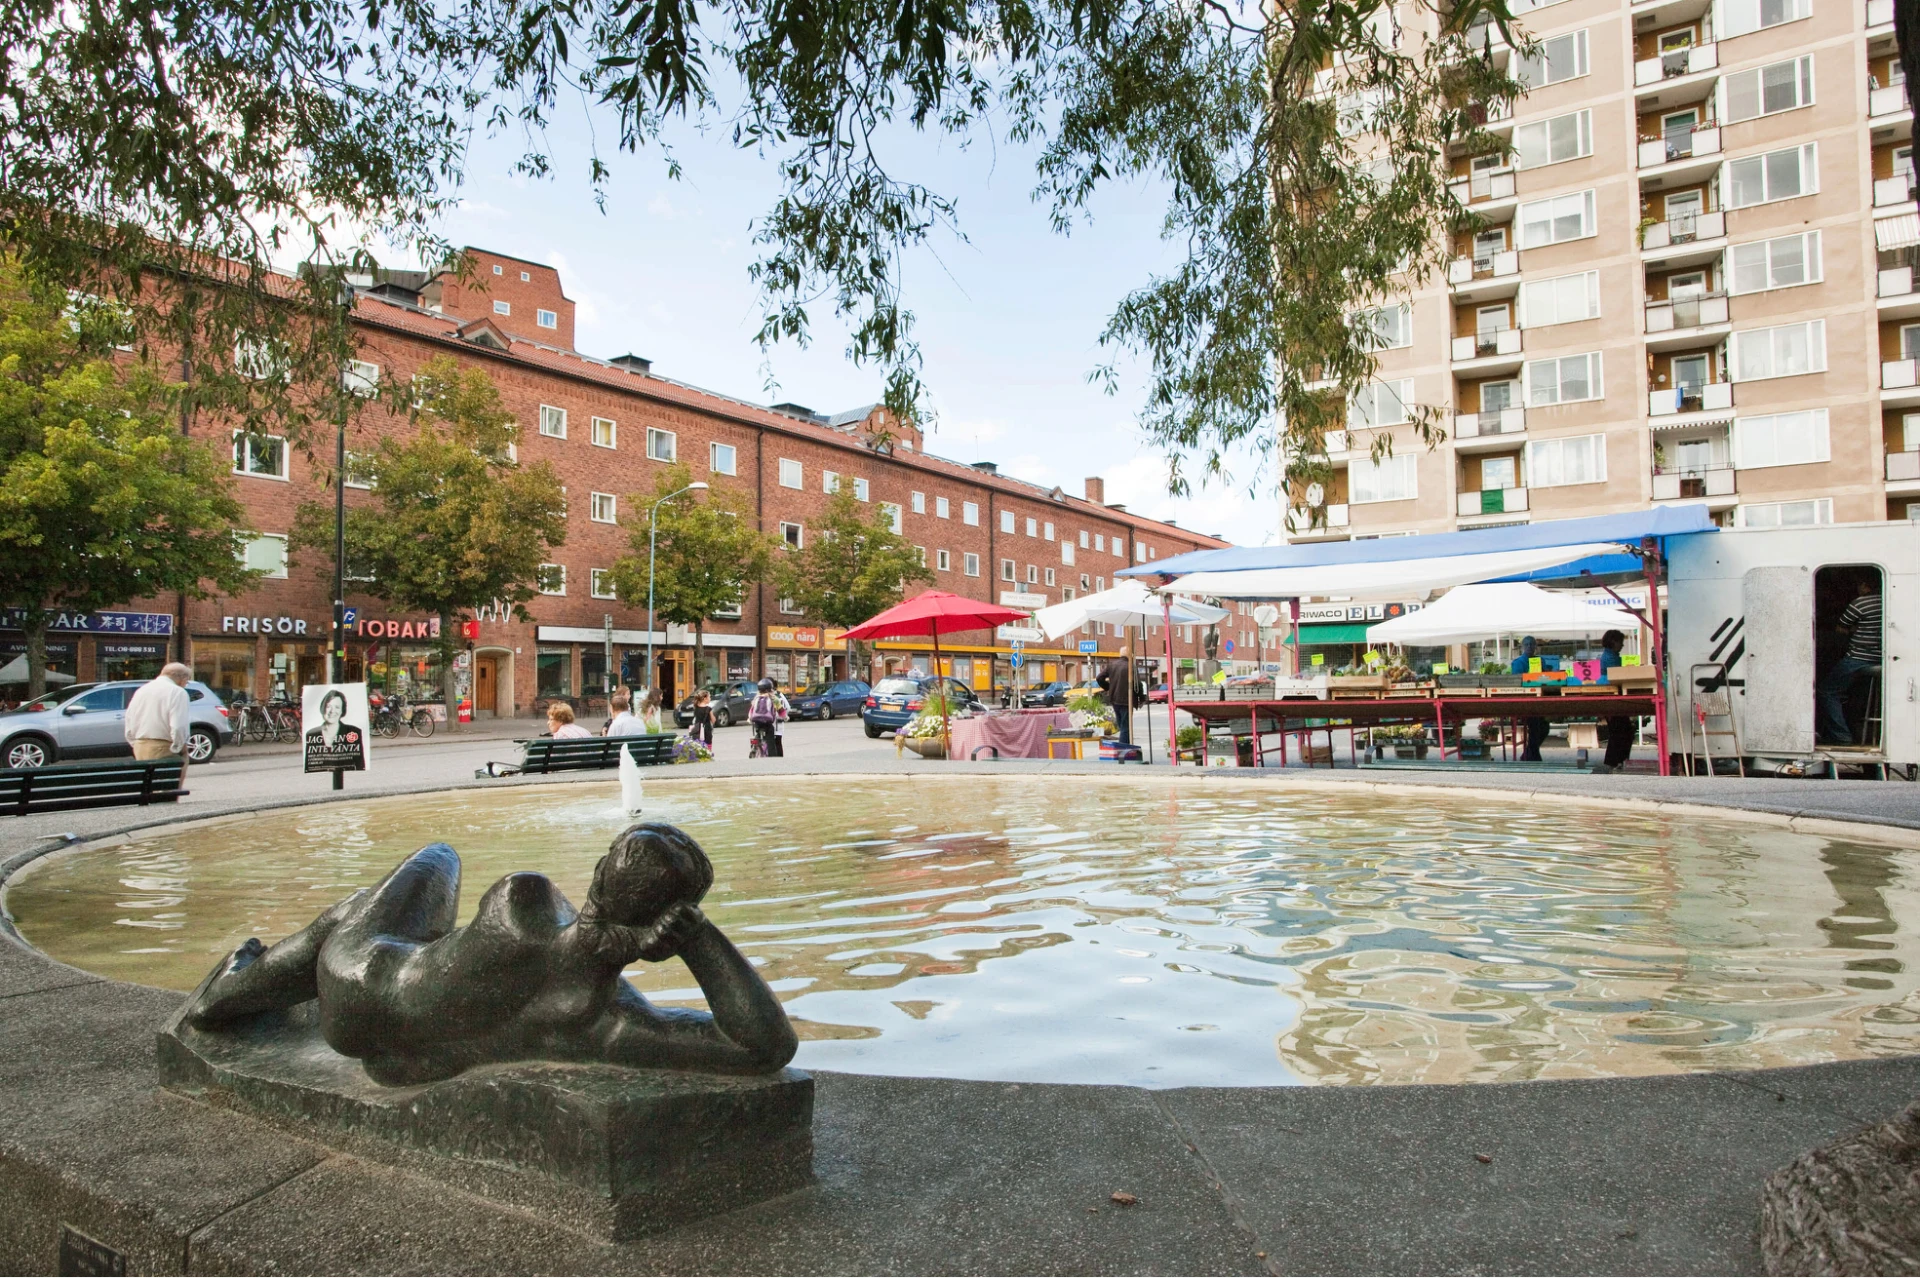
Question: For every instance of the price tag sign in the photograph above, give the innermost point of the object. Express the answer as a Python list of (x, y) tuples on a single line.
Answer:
[(1372, 657), (1629, 659), (1442, 669), (1533, 665), (1317, 660)]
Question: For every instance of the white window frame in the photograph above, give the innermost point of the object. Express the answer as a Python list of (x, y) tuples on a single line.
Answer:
[(546, 319), (600, 584), (970, 564), (1009, 571), (1596, 381), (1547, 465), (1743, 17), (1394, 478), (862, 491), (245, 456), (257, 359), (789, 605), (1572, 60), (798, 541), (545, 576), (1008, 522), (1086, 540), (1047, 574), (1806, 172), (1749, 347), (662, 445), (1033, 575), (1066, 551), (970, 513), (1745, 91), (891, 512), (1581, 141), (792, 474), (943, 560), (942, 509), (1566, 299), (1556, 209), (1033, 527), (723, 459), (918, 501), (1761, 255), (1388, 328), (248, 558), (360, 378), (502, 307), (1820, 508), (1758, 442), (553, 421), (359, 464), (829, 482), (1381, 404), (594, 433), (603, 508)]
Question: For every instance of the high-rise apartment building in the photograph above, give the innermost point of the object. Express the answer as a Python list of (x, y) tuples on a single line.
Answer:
[(1695, 282)]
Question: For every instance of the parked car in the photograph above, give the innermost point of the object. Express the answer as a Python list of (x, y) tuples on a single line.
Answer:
[(825, 701), (1158, 693), (90, 720), (898, 699), (1046, 695), (730, 702)]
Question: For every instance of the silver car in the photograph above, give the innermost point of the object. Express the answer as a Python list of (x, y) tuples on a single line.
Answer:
[(91, 720)]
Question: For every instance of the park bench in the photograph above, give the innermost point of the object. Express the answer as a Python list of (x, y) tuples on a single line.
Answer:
[(558, 755), (92, 784)]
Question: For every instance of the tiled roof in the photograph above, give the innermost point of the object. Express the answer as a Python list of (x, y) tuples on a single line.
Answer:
[(384, 313)]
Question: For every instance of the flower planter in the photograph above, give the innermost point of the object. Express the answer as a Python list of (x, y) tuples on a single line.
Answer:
[(928, 748), (1410, 751)]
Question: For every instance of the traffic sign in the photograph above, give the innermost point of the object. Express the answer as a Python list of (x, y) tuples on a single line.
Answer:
[(1015, 659), (350, 616), (1089, 646), (1229, 646)]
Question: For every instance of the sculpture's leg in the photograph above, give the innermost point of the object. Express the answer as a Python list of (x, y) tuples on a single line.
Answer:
[(253, 980), (418, 902)]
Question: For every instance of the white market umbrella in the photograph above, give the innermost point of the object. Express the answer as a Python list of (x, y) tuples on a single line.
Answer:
[(15, 672), (1130, 603), (1494, 609)]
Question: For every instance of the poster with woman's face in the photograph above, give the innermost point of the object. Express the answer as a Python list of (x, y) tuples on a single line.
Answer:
[(334, 720)]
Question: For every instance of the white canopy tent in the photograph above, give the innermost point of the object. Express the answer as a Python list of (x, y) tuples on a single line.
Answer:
[(1382, 579), (1488, 610), (1130, 603), (15, 672)]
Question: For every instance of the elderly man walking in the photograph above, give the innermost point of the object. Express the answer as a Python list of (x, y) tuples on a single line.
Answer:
[(157, 716)]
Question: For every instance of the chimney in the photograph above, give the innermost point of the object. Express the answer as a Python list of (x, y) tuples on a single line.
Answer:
[(632, 364), (1096, 490), (991, 468)]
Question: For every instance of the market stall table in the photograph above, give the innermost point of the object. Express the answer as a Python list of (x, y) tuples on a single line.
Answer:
[(1007, 735)]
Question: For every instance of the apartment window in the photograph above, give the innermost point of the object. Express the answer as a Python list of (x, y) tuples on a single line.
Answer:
[(890, 511), (1557, 58), (918, 501), (1033, 575), (971, 565), (502, 308), (1086, 583), (266, 553), (1554, 221), (861, 493), (600, 584), (553, 421), (829, 482), (1381, 404), (1086, 542), (1774, 175), (602, 508), (942, 509), (723, 459), (1066, 552), (1768, 90), (1570, 460), (1006, 522), (1389, 479), (662, 446), (1384, 328), (970, 513), (255, 455), (1544, 142), (1009, 572), (1783, 351), (921, 553), (360, 473), (793, 535), (1781, 439), (256, 358), (1564, 380), (1561, 300), (1046, 531), (361, 377), (1738, 17), (1784, 515), (499, 270), (1099, 584), (1033, 527), (789, 605), (943, 560), (553, 579), (790, 477), (1776, 264), (1099, 542), (1049, 577), (546, 319), (602, 431)]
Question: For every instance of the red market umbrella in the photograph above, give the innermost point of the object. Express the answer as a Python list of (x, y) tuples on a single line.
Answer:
[(934, 613)]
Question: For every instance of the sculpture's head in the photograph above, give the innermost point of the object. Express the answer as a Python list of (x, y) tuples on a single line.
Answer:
[(650, 867)]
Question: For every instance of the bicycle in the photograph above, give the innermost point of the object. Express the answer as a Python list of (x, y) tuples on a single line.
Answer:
[(283, 718), (390, 714), (250, 722)]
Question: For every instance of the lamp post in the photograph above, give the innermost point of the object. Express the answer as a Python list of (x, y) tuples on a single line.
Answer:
[(653, 529)]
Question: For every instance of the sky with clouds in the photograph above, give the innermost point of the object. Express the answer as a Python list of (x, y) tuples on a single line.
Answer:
[(1008, 317)]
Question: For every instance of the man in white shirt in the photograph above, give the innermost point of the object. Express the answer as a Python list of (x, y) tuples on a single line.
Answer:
[(157, 715)]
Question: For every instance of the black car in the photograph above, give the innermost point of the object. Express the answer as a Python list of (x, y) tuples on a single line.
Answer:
[(730, 702), (825, 701), (898, 699), (1046, 695)]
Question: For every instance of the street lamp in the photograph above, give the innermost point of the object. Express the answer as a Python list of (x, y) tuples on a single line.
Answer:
[(653, 528)]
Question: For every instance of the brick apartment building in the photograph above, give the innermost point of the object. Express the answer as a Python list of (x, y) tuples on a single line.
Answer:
[(607, 426), (1696, 283)]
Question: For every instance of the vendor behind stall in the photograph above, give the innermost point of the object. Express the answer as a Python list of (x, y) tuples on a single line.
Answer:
[(1620, 729), (1536, 725)]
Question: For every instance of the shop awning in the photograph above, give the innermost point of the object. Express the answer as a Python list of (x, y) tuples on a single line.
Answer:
[(1492, 609), (1897, 232), (1333, 633)]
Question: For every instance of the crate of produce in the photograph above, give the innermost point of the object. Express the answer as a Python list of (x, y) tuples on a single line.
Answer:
[(1249, 690), (1633, 679), (1356, 684)]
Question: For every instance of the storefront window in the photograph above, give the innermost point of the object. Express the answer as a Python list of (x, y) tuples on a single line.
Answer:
[(128, 659), (225, 666), (739, 664), (292, 667), (553, 673), (593, 670), (780, 668), (414, 672)]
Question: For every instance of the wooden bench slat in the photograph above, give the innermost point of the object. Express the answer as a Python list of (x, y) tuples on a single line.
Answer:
[(90, 785)]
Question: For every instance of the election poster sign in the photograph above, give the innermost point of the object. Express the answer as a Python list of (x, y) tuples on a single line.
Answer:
[(334, 723)]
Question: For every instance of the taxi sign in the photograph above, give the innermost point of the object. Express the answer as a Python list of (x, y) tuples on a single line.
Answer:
[(1089, 646)]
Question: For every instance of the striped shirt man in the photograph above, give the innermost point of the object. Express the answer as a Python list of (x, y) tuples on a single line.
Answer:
[(1861, 621)]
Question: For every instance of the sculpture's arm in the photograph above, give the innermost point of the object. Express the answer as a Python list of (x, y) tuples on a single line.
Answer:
[(748, 1033), (254, 981)]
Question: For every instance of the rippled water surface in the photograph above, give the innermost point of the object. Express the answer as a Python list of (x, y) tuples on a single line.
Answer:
[(1152, 932)]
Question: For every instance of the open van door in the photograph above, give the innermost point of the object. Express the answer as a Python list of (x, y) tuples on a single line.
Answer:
[(1778, 704)]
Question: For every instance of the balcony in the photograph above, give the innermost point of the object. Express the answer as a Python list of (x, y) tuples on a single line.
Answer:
[(1487, 350), (1483, 187), (1686, 233), (1887, 102), (1894, 192), (1679, 157), (1491, 502), (1710, 397), (1501, 423), (1879, 13), (1695, 485), (1900, 382), (1492, 266), (1903, 469), (1674, 64), (1300, 522), (1679, 322)]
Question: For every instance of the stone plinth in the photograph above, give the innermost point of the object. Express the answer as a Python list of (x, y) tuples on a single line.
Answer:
[(614, 1151)]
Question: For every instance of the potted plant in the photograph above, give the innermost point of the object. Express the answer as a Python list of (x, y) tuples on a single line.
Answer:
[(1409, 741), (1191, 742), (1472, 748)]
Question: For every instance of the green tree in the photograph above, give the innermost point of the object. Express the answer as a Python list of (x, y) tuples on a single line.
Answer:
[(851, 567), (454, 521), (102, 500), (704, 556)]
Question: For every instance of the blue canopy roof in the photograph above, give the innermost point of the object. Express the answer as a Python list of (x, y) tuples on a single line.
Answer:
[(1626, 528)]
